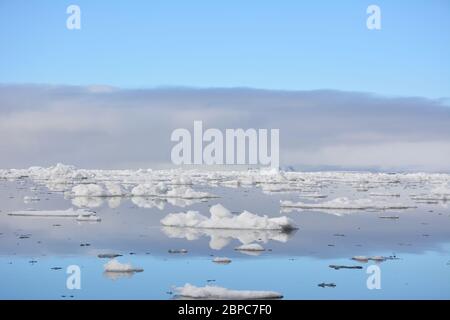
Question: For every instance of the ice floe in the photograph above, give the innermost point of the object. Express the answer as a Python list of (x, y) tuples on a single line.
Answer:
[(53, 213), (222, 218), (149, 190), (344, 203), (88, 190), (216, 292), (419, 188), (221, 260)]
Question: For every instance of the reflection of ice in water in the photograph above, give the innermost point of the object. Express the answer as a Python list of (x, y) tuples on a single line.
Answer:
[(57, 186), (148, 203), (87, 202), (220, 238), (118, 275), (182, 203), (152, 202), (114, 202)]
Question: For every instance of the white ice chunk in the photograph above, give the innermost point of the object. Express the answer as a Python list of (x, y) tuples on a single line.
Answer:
[(88, 190), (222, 260), (216, 292), (250, 247), (53, 213), (222, 218)]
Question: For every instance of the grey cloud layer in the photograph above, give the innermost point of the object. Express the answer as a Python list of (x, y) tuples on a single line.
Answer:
[(103, 127)]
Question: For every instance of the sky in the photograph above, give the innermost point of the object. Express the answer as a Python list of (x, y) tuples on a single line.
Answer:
[(110, 94), (287, 45)]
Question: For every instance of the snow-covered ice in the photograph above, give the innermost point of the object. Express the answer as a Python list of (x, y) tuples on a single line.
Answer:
[(222, 260), (222, 218), (53, 213), (216, 292)]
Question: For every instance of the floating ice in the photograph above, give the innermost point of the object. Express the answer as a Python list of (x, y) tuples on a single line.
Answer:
[(220, 238), (222, 218), (443, 190), (215, 292), (361, 258), (91, 218), (379, 194), (108, 255), (149, 190), (54, 213), (28, 199)]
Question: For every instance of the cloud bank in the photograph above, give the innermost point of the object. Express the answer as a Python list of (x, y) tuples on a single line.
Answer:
[(106, 127)]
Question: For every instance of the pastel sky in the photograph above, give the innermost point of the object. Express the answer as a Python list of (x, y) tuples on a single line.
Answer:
[(289, 44)]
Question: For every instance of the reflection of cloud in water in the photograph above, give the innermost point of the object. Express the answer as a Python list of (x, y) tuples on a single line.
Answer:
[(118, 275), (87, 202), (251, 253), (220, 238)]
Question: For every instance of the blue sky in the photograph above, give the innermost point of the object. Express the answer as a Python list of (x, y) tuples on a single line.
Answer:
[(293, 45)]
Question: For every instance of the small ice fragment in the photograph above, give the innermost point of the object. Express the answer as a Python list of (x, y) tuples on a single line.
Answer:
[(336, 267), (91, 218), (177, 251), (88, 190), (222, 260), (377, 258), (108, 255)]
